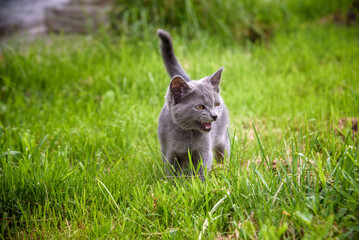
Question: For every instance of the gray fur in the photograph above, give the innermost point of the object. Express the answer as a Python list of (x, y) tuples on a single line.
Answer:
[(173, 67), (182, 128)]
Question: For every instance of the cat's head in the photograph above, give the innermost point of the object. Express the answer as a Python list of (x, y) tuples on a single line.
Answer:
[(195, 105)]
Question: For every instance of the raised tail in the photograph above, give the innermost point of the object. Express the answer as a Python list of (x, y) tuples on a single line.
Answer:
[(171, 63)]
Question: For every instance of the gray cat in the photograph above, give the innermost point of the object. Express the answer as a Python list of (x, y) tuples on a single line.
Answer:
[(194, 120)]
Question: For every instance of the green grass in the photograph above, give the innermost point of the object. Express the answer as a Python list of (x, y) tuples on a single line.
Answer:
[(79, 155), (253, 20)]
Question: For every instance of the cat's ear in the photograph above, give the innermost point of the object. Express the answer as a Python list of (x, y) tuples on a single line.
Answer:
[(179, 87), (216, 78)]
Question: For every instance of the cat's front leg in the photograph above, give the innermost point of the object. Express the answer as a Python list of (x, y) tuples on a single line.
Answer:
[(168, 161), (222, 151), (205, 160), (172, 165)]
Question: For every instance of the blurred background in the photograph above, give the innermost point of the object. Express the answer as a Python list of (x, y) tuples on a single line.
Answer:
[(252, 20)]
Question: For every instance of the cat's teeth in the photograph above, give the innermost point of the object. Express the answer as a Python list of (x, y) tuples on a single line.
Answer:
[(207, 126)]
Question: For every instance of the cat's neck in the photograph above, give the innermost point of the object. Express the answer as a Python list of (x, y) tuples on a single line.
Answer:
[(190, 133)]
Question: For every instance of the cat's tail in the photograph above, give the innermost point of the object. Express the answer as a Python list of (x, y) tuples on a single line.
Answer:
[(171, 63)]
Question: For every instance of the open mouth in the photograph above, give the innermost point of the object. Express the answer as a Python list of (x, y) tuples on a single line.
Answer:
[(206, 126)]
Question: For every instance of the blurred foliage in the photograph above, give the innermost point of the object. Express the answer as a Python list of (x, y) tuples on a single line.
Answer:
[(238, 20)]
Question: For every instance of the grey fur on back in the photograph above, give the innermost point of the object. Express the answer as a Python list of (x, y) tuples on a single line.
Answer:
[(193, 119)]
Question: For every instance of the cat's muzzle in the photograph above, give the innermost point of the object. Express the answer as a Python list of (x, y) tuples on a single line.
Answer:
[(205, 126)]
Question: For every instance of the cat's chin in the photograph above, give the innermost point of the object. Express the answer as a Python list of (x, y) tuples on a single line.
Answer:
[(205, 126)]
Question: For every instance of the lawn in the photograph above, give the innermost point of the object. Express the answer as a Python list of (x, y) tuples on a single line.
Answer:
[(80, 158)]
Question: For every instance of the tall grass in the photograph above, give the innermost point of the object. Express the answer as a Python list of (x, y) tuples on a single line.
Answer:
[(237, 20), (79, 155)]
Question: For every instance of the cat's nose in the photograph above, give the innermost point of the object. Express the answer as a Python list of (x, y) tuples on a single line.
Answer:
[(214, 117)]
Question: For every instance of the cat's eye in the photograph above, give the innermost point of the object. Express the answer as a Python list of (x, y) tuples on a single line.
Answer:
[(199, 107), (216, 104)]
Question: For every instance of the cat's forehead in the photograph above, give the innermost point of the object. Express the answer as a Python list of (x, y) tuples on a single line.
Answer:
[(203, 90)]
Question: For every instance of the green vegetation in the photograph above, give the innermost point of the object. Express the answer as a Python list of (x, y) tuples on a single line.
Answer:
[(246, 19), (79, 155)]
